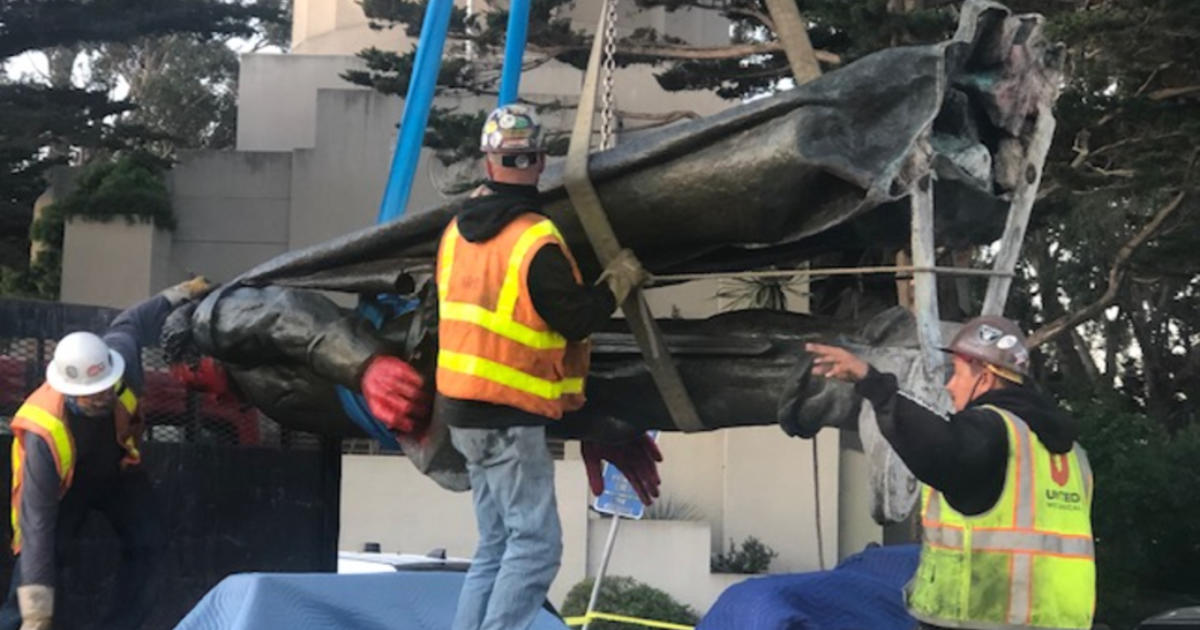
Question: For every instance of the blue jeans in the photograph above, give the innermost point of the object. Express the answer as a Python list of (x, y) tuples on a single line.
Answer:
[(520, 539)]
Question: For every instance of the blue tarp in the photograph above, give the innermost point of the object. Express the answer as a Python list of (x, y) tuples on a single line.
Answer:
[(862, 593), (403, 600)]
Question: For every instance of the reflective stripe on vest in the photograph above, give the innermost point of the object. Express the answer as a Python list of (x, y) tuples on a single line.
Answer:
[(516, 379), (493, 345), (1036, 540), (54, 431), (499, 321)]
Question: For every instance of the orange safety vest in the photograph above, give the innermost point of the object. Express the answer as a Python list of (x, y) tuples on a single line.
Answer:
[(44, 414), (492, 344)]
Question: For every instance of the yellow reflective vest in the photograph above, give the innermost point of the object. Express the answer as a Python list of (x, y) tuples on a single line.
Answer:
[(44, 414), (1027, 562)]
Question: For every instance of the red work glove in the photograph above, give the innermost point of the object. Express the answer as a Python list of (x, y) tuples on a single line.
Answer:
[(206, 376), (636, 459), (396, 394)]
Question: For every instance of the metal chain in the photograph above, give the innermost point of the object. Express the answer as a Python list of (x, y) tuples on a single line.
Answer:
[(608, 136)]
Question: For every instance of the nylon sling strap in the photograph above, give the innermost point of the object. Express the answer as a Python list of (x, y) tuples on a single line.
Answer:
[(604, 242)]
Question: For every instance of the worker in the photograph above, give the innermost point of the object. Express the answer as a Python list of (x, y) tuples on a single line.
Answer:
[(1006, 507), (513, 355), (76, 450)]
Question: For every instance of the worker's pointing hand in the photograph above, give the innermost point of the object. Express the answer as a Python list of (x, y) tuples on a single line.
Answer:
[(837, 363), (395, 394)]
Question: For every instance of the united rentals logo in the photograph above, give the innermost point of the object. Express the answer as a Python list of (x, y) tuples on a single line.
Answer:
[(1060, 469), (1063, 496)]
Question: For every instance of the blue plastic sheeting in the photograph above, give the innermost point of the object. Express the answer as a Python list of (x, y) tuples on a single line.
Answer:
[(403, 600), (863, 592)]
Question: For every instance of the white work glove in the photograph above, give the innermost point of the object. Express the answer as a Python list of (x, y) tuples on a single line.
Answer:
[(623, 274), (36, 602), (187, 290)]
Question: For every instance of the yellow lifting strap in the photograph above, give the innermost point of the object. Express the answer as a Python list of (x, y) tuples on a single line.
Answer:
[(604, 242)]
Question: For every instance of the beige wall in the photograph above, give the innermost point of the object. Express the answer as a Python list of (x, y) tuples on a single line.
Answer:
[(769, 494), (277, 98), (113, 264), (232, 212), (856, 528), (385, 500), (339, 27)]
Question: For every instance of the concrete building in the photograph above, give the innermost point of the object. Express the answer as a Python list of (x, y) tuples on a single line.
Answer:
[(312, 156)]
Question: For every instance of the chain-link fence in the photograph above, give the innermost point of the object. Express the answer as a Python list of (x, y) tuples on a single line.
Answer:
[(236, 492), (173, 414)]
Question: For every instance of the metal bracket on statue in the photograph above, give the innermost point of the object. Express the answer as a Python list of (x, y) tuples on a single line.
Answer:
[(604, 241)]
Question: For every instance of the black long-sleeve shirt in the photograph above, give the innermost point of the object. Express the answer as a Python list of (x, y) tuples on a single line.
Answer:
[(97, 454), (571, 309), (965, 455)]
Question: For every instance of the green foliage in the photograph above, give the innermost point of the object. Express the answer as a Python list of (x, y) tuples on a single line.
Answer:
[(129, 187), (38, 24), (627, 596), (751, 557), (1145, 517), (171, 55), (185, 88), (40, 280)]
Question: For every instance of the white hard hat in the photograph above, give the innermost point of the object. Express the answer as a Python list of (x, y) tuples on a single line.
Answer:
[(84, 365)]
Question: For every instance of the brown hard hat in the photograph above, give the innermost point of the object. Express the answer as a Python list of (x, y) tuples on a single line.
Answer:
[(995, 341)]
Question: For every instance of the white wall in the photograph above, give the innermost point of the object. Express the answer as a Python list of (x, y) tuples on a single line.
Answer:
[(385, 500), (277, 98), (232, 212), (857, 529), (113, 264), (769, 494)]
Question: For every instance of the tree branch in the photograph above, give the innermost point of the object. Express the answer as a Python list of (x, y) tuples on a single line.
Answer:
[(1116, 275), (1166, 93), (1083, 153), (709, 53)]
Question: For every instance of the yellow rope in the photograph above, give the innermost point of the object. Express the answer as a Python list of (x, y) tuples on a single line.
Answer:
[(649, 623)]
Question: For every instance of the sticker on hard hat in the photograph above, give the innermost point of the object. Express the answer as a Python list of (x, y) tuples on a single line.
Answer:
[(95, 370), (71, 372), (989, 334), (1006, 342)]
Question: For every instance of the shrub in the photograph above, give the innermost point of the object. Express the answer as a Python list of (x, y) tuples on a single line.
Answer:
[(627, 596), (752, 557)]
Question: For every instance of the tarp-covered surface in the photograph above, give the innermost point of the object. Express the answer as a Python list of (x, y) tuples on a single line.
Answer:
[(783, 172), (403, 600), (863, 592)]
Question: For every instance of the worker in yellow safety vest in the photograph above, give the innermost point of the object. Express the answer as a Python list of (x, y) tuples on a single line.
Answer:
[(1006, 508), (75, 450), (514, 317)]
